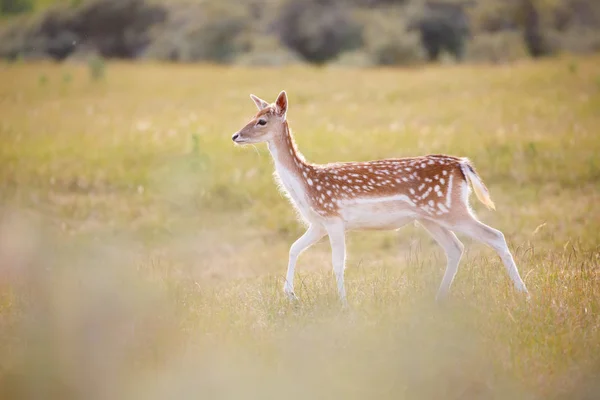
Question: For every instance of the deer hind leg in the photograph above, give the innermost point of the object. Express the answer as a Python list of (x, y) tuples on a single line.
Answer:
[(337, 239), (312, 235), (495, 239), (454, 250)]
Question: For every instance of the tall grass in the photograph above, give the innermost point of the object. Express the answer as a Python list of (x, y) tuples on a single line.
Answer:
[(142, 254)]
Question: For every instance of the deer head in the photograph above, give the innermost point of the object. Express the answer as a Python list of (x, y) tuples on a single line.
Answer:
[(267, 124)]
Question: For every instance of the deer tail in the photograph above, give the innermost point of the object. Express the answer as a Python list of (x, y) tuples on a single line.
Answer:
[(481, 191)]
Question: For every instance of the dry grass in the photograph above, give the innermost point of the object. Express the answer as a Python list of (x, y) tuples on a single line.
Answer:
[(142, 253)]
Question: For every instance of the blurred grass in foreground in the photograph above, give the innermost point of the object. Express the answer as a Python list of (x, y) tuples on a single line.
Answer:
[(142, 254)]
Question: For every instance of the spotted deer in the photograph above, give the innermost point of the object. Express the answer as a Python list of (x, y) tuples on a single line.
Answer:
[(374, 195)]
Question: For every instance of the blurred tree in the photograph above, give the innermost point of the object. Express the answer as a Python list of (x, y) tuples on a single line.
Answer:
[(318, 30), (386, 40), (296, 30), (214, 30), (443, 26), (15, 6), (534, 18), (117, 28), (532, 30)]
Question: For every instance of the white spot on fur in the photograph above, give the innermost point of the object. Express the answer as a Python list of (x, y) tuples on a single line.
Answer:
[(449, 192), (426, 193)]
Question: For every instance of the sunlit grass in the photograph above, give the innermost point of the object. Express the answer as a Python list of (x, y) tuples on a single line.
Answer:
[(142, 254)]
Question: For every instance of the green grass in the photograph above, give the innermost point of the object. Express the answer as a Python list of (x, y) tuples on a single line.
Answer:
[(142, 254)]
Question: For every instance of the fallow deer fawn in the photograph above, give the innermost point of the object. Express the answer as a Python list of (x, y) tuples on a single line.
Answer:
[(375, 195)]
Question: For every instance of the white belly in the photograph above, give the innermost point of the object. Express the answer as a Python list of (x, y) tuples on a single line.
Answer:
[(381, 214)]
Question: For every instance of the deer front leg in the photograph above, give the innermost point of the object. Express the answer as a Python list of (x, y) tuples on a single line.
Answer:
[(312, 235), (337, 239)]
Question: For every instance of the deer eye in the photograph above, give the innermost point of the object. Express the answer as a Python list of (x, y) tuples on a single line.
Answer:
[(262, 122)]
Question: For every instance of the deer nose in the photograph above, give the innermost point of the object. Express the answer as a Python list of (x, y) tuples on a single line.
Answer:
[(235, 136)]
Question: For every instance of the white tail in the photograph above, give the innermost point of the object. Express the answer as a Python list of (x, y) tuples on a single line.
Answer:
[(481, 191), (379, 195)]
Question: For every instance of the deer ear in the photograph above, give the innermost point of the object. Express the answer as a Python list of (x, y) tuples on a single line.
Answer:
[(281, 104), (260, 103)]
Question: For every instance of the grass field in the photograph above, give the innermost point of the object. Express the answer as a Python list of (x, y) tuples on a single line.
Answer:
[(142, 254)]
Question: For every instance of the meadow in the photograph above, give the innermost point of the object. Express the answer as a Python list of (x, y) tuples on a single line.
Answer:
[(142, 253)]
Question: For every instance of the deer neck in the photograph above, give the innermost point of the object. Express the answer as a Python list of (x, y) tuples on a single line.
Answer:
[(286, 155), (292, 171)]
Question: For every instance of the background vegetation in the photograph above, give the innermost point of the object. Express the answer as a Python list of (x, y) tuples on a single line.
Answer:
[(142, 253), (278, 32)]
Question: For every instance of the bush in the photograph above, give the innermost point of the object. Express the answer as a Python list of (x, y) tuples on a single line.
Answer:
[(318, 30), (493, 16), (15, 6), (116, 28), (217, 37), (443, 28), (546, 26), (267, 51), (388, 41), (535, 39), (18, 41), (577, 40), (497, 47), (210, 31)]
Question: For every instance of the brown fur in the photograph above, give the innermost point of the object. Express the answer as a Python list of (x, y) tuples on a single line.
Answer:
[(416, 177), (434, 184)]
